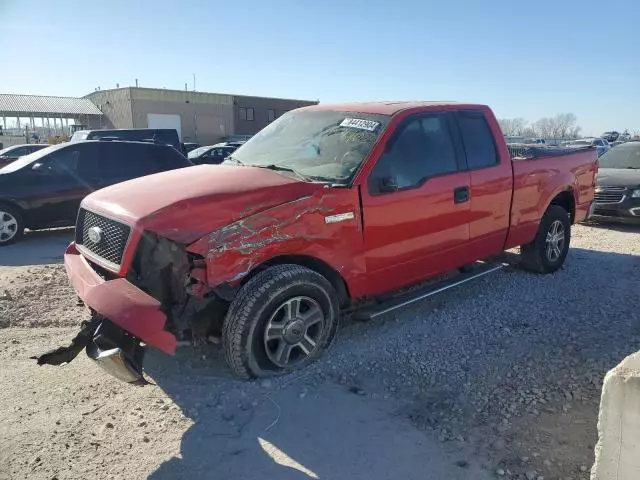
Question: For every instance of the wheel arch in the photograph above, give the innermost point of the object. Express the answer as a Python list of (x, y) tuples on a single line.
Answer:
[(567, 200), (12, 204), (23, 213), (312, 263)]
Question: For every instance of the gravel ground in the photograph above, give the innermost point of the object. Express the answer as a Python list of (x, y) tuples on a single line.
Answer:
[(498, 379)]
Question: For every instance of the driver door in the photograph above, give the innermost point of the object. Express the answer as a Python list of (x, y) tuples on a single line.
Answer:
[(416, 205)]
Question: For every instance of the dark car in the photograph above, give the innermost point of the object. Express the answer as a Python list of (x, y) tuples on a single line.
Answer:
[(212, 154), (168, 136), (618, 187), (44, 189), (11, 154), (610, 136), (188, 146)]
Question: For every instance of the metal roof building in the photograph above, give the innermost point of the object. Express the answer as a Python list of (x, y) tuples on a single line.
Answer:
[(202, 117), (35, 118), (12, 105)]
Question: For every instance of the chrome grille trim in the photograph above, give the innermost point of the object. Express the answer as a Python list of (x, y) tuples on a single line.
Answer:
[(112, 246)]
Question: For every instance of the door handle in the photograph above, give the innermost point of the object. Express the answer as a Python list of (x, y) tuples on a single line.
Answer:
[(461, 195)]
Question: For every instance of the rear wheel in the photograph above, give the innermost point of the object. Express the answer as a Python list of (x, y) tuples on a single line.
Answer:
[(281, 320), (548, 251), (11, 225)]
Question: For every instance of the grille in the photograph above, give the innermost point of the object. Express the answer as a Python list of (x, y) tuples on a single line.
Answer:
[(614, 189), (610, 195), (112, 237)]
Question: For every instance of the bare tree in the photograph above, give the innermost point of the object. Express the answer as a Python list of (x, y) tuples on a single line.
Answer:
[(563, 125), (544, 128), (513, 127)]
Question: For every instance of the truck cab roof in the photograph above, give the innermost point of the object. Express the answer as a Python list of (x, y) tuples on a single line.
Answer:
[(390, 107)]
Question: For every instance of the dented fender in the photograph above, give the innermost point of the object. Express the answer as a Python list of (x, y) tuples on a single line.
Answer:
[(325, 225)]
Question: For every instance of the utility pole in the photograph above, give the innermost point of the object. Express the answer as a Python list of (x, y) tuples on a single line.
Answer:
[(194, 82)]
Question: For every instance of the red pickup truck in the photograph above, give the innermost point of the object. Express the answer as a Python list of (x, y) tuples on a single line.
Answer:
[(326, 209)]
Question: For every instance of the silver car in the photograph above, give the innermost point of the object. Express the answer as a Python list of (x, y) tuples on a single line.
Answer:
[(602, 146)]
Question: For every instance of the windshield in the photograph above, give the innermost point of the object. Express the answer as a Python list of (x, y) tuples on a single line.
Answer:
[(625, 155), (198, 151), (7, 150), (79, 135), (31, 158), (582, 142), (316, 144)]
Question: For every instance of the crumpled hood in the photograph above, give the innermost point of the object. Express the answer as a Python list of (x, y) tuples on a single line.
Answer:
[(618, 177), (186, 204)]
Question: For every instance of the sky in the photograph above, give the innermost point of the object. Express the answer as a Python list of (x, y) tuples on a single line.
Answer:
[(524, 59)]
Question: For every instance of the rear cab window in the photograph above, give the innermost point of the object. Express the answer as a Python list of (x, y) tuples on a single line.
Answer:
[(477, 139)]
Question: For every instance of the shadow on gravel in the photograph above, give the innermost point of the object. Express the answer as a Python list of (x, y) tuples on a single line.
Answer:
[(41, 247), (290, 428), (296, 428)]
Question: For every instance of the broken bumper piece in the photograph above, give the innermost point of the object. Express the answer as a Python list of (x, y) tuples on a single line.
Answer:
[(118, 353), (62, 355), (112, 348), (128, 307)]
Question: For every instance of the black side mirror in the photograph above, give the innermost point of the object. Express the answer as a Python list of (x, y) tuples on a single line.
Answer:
[(387, 184)]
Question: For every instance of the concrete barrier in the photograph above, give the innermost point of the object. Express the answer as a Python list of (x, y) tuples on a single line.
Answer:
[(617, 453)]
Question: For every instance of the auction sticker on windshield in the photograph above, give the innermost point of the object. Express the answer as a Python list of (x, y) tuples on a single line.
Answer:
[(369, 125)]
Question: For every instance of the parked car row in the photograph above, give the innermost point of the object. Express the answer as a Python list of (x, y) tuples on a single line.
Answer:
[(213, 154), (44, 189), (41, 186), (602, 146)]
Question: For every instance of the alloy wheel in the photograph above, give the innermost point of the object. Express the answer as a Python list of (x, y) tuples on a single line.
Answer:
[(555, 241), (8, 226), (293, 331)]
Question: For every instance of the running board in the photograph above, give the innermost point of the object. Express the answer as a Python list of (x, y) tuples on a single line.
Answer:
[(371, 312)]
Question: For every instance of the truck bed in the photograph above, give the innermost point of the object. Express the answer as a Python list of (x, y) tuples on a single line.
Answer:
[(540, 173), (523, 151)]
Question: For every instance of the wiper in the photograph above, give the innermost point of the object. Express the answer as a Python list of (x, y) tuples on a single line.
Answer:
[(315, 178), (233, 159), (280, 168)]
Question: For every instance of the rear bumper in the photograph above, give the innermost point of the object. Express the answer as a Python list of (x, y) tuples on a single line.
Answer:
[(128, 307)]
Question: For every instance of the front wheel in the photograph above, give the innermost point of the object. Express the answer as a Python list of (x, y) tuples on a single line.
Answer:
[(281, 320), (11, 226), (548, 251)]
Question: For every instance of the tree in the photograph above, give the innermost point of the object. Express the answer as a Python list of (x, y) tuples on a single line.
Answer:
[(563, 125), (513, 127)]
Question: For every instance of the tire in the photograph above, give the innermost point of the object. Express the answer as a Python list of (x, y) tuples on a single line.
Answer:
[(536, 255), (11, 225), (273, 316)]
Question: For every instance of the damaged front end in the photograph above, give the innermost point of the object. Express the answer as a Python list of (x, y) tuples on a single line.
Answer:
[(178, 280), (163, 299)]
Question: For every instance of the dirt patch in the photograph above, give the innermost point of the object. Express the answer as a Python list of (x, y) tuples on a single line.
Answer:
[(38, 296)]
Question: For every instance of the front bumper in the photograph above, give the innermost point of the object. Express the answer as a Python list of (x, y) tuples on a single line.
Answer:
[(628, 208), (128, 307)]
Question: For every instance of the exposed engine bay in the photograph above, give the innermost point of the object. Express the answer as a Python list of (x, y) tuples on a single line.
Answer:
[(177, 279)]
